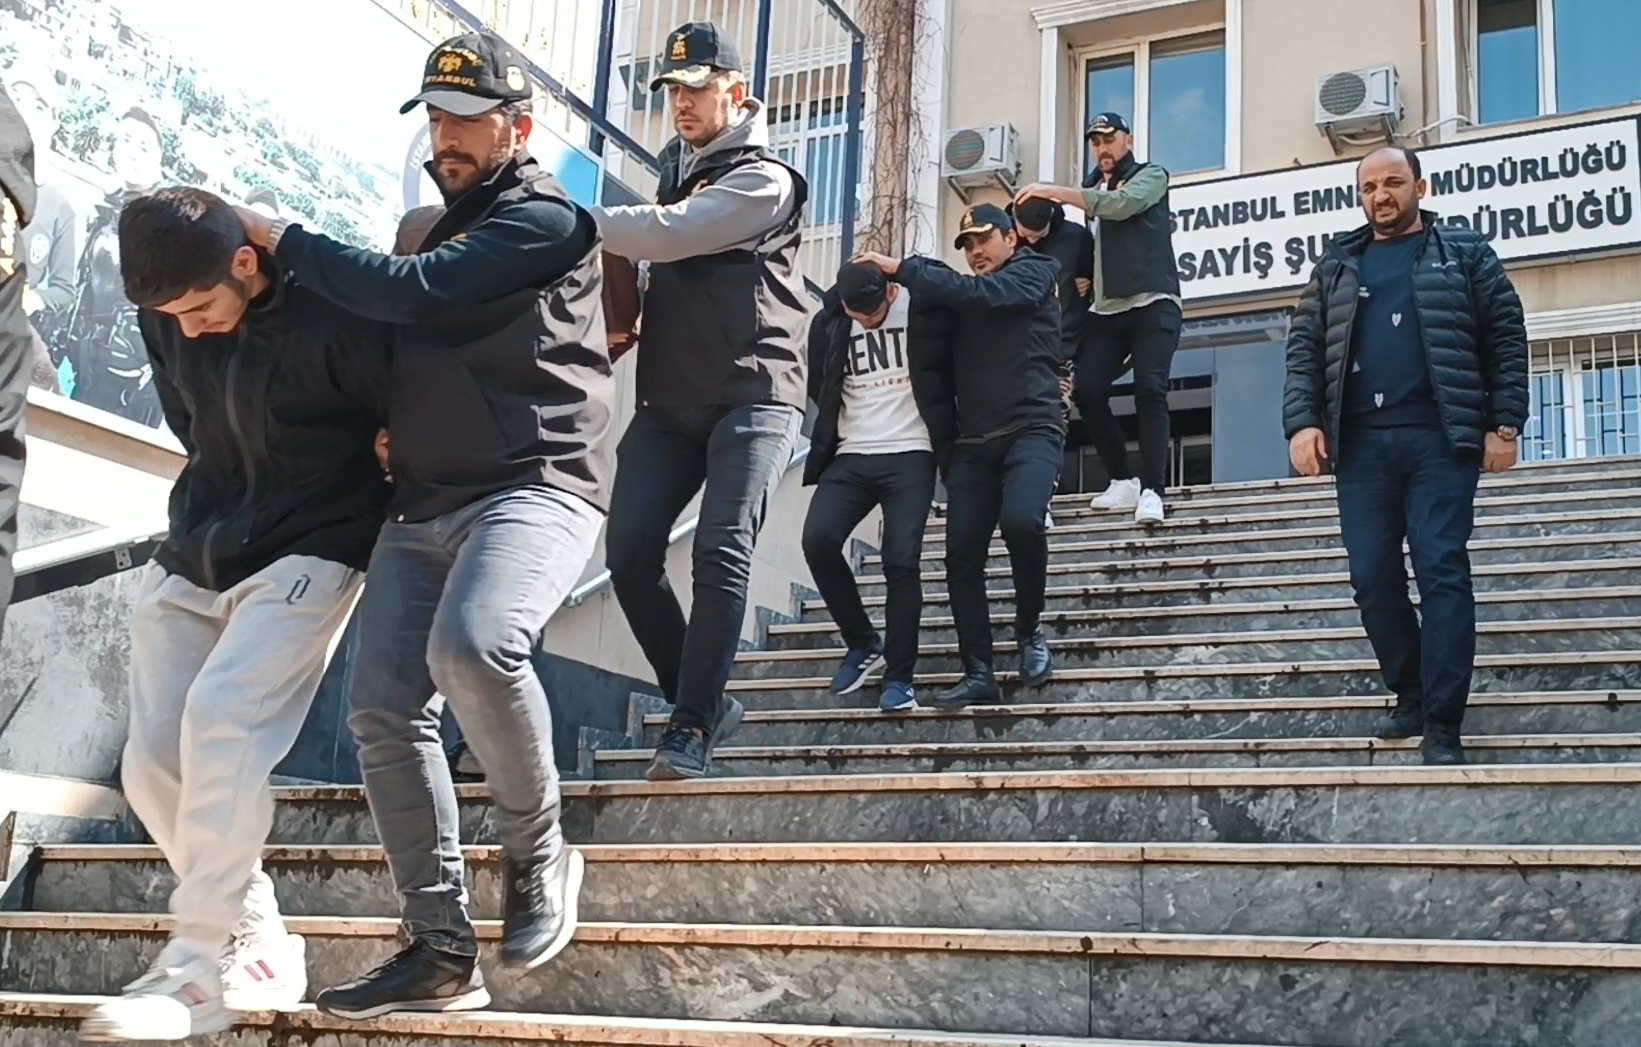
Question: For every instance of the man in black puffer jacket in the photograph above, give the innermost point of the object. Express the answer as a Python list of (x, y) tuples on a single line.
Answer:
[(1407, 365)]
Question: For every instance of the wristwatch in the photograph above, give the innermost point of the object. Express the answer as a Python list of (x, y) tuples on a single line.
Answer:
[(1507, 432)]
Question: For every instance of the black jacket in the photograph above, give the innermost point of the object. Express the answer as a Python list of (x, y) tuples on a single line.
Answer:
[(502, 376), (1071, 244), (928, 359), (1006, 345), (279, 419), (16, 210), (1475, 337)]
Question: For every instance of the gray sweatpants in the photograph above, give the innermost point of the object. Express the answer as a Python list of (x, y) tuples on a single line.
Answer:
[(454, 608), (220, 686)]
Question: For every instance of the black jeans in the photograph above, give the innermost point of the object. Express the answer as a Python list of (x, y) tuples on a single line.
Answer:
[(1144, 339), (11, 488), (1407, 482), (667, 454), (1007, 482), (851, 486)]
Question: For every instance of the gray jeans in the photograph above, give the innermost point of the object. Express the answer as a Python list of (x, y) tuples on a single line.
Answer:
[(452, 608)]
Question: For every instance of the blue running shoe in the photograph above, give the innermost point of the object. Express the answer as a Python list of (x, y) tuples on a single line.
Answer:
[(857, 666), (897, 697)]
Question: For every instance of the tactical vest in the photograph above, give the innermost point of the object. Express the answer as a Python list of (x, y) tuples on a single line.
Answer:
[(1137, 254)]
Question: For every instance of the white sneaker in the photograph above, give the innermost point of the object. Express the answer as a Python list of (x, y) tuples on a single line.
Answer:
[(1119, 494), (265, 973), (1048, 520), (1150, 508), (179, 997)]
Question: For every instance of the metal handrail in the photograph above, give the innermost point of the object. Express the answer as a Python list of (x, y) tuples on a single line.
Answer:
[(68, 563), (583, 592)]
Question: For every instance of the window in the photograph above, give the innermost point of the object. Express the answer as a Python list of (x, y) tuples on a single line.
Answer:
[(1585, 398), (1172, 91), (1536, 57), (811, 138)]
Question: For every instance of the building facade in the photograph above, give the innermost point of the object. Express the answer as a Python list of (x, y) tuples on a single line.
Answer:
[(1525, 112)]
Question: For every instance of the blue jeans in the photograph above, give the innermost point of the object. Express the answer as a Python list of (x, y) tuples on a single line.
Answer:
[(738, 454), (452, 609), (1407, 483)]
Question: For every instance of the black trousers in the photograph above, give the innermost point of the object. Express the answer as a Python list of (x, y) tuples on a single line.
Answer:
[(851, 486), (1144, 339), (11, 486), (738, 454), (1005, 482)]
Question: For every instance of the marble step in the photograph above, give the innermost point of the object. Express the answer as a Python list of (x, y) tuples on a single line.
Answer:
[(1621, 501), (1543, 712), (1337, 613), (1342, 991), (1076, 650), (1552, 671), (1562, 804), (1092, 548), (982, 757), (1231, 502), (1523, 579), (1184, 888), (51, 1020), (1274, 567)]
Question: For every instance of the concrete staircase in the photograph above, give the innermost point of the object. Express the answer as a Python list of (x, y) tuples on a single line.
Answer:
[(1186, 837)]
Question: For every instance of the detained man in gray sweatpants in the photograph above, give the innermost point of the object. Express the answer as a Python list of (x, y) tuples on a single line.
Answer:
[(500, 448)]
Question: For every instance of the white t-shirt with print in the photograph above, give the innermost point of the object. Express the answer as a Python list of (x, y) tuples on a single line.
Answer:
[(879, 414)]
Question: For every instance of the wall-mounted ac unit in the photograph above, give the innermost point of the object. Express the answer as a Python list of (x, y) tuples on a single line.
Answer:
[(974, 157), (1357, 103)]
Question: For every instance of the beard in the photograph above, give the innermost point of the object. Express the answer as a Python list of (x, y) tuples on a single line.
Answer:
[(454, 184)]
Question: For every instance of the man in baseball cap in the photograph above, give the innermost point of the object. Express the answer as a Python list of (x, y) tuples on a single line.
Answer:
[(472, 74)]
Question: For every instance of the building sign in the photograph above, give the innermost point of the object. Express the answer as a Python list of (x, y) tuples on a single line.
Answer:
[(1567, 190)]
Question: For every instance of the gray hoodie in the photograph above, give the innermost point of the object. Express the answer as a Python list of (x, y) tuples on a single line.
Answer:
[(735, 212)]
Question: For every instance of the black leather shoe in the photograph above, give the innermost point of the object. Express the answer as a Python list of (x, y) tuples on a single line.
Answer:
[(1404, 721), (978, 687), (1036, 661), (1441, 747)]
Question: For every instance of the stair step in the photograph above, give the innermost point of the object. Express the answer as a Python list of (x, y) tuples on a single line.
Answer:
[(1560, 671), (1212, 888), (51, 1020), (1066, 543), (1275, 566), (1520, 578), (1541, 636), (1063, 983), (1540, 712), (1563, 804)]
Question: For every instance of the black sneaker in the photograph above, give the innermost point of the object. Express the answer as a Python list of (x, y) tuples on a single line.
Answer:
[(978, 687), (686, 752), (539, 912), (1401, 722), (1036, 662), (420, 977), (1441, 747)]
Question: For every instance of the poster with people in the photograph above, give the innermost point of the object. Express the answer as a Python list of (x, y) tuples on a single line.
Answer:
[(294, 114)]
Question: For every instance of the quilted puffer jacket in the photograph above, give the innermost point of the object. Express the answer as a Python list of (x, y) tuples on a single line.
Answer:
[(1475, 336)]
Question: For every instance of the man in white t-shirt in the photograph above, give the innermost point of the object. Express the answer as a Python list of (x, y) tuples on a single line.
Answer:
[(880, 374)]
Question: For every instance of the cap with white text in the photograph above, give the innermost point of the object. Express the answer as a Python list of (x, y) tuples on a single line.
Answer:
[(472, 74)]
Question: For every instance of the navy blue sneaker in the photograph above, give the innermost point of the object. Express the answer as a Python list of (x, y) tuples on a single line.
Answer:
[(897, 697), (857, 666)]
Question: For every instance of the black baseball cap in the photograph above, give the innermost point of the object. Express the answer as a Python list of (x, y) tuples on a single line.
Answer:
[(1034, 212), (1106, 123), (861, 288), (982, 219), (472, 74), (695, 53)]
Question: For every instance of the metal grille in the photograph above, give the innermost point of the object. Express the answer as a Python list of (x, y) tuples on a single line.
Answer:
[(806, 58), (1586, 397)]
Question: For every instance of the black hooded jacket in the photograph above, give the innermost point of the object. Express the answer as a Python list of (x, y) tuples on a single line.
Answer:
[(1475, 336), (1072, 245), (928, 360)]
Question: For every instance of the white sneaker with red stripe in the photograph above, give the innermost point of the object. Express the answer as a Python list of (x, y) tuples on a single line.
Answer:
[(179, 997), (265, 973)]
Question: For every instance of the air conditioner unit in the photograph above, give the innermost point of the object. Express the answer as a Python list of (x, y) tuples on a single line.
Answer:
[(1360, 101), (974, 157)]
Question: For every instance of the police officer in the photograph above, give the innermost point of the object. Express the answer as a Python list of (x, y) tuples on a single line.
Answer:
[(1136, 318), (721, 384), (502, 415), (16, 339), (1005, 363)]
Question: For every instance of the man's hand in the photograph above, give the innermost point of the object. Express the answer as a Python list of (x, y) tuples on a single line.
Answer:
[(1067, 385), (883, 263), (32, 302), (1084, 286), (1059, 194), (382, 451), (1498, 454), (258, 227), (1308, 450)]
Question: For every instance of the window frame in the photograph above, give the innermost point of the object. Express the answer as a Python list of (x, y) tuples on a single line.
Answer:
[(802, 139), (1138, 49), (1549, 104)]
